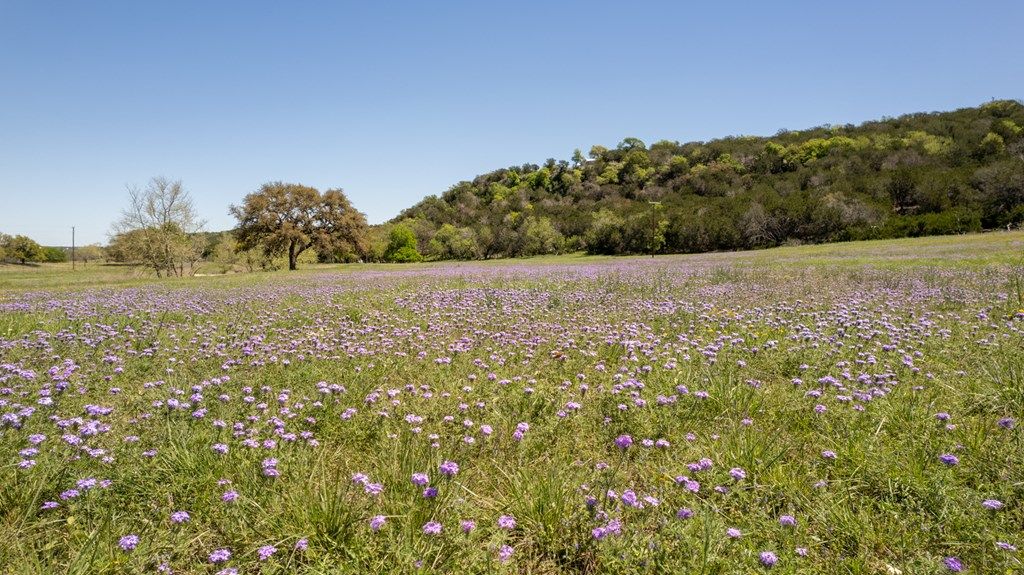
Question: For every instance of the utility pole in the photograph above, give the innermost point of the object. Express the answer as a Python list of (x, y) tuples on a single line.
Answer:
[(72, 248)]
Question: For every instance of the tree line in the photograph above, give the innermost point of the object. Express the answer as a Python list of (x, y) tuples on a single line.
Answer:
[(918, 174), (24, 250), (160, 229)]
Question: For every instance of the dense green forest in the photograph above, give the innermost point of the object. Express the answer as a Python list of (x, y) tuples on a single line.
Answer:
[(918, 174)]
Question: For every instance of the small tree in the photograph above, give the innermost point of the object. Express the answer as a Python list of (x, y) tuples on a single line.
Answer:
[(282, 218), (88, 253), (156, 228), (23, 249), (451, 243), (226, 253), (606, 233), (402, 246), (53, 255), (541, 237)]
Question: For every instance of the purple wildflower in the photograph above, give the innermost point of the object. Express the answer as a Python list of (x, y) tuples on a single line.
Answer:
[(449, 468), (507, 522), (768, 559), (949, 459), (129, 542), (220, 556), (623, 441), (954, 564), (432, 528), (377, 521)]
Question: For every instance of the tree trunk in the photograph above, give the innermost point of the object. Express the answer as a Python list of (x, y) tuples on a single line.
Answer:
[(292, 256)]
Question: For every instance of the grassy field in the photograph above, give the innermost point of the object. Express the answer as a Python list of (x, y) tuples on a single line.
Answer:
[(972, 250), (844, 408)]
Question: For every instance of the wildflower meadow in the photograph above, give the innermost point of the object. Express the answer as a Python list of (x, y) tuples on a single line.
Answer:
[(852, 408)]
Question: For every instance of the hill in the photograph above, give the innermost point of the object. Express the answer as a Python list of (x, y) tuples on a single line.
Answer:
[(915, 175)]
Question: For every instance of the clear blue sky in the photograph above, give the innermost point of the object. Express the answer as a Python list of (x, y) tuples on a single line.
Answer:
[(395, 101)]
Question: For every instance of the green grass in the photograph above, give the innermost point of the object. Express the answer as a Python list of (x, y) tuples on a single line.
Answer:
[(964, 251), (584, 349)]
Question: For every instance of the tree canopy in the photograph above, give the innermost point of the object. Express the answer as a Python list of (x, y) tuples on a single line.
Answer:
[(402, 246), (918, 174), (282, 218), (21, 248)]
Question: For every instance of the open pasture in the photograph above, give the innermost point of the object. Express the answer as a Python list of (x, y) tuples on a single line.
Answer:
[(849, 408)]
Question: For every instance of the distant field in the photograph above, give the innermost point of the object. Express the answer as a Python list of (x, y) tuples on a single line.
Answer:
[(840, 408), (970, 250)]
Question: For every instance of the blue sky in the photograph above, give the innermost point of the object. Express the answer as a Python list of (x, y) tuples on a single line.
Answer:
[(396, 101)]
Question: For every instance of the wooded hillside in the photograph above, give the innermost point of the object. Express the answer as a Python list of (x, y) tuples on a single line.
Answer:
[(918, 174)]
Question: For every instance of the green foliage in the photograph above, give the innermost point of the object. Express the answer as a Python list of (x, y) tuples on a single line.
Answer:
[(1002, 187), (23, 249), (226, 253), (402, 246), (914, 175), (605, 235), (541, 237), (540, 180), (930, 143), (991, 145), (451, 243), (289, 219), (53, 255)]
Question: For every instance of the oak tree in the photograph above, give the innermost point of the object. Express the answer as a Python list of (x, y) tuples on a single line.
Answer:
[(282, 218), (23, 249)]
